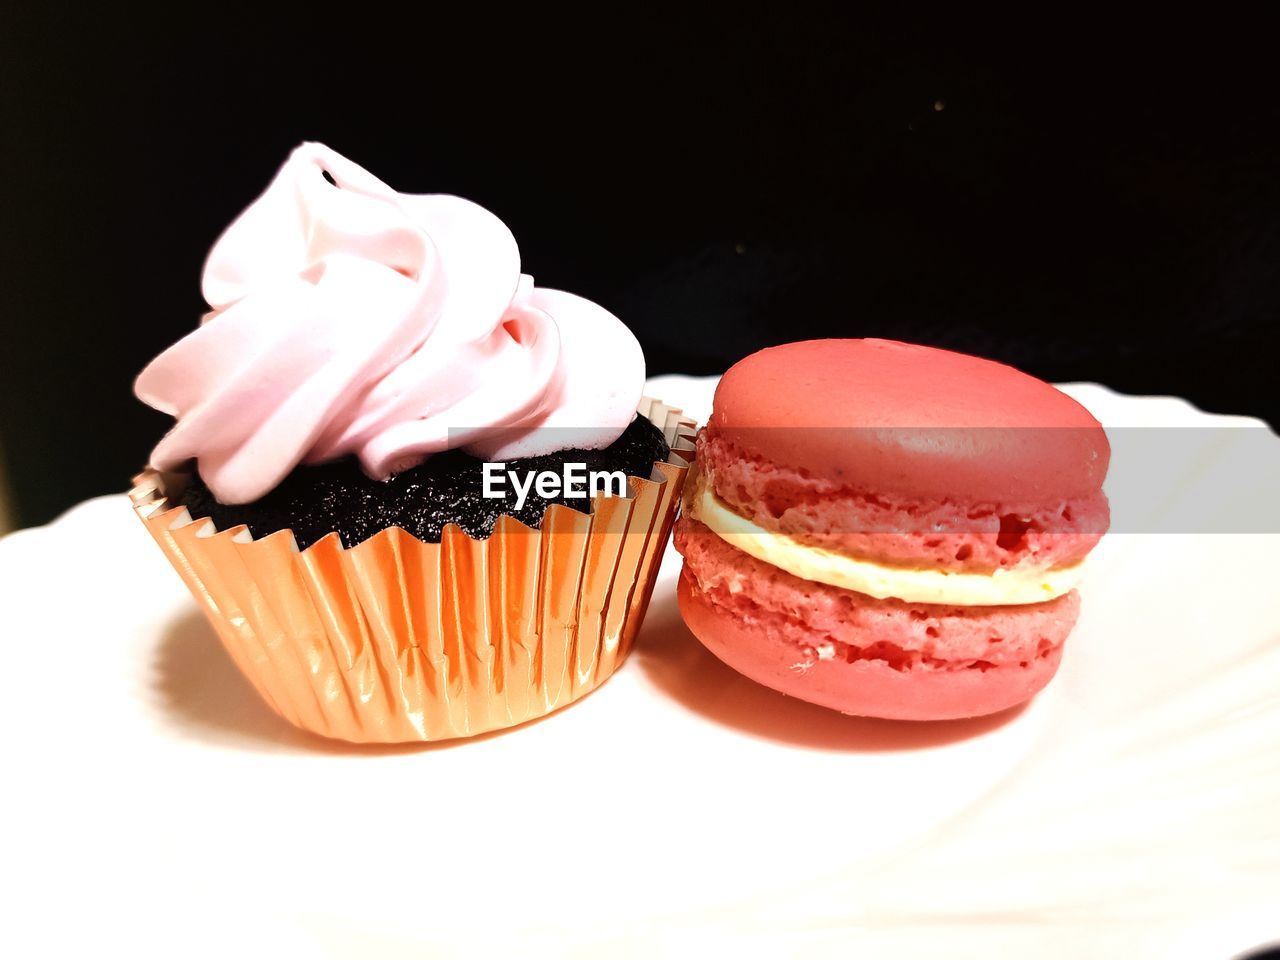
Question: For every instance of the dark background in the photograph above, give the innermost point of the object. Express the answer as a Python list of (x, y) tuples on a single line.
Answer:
[(1086, 199)]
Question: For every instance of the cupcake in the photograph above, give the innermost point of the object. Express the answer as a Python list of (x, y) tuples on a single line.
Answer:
[(890, 530), (417, 497)]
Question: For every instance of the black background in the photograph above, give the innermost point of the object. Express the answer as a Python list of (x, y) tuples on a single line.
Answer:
[(1086, 199)]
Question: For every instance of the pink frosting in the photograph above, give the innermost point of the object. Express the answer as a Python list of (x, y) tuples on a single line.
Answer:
[(350, 319)]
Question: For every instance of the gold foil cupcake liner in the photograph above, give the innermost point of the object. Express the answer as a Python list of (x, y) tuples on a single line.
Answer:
[(396, 640)]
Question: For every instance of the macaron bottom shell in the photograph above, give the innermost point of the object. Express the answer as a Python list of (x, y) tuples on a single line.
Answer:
[(859, 655), (864, 688)]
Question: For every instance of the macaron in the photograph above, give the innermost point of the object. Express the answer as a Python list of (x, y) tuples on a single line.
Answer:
[(890, 530)]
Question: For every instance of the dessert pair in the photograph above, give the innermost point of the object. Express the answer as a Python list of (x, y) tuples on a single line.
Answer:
[(884, 529)]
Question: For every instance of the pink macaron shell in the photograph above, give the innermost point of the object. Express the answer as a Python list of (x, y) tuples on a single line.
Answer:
[(867, 688), (885, 527), (844, 650), (913, 421)]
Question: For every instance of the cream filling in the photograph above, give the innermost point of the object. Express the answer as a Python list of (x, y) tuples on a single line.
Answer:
[(950, 588)]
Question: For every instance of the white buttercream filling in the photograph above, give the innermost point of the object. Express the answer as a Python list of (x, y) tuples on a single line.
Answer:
[(1012, 586)]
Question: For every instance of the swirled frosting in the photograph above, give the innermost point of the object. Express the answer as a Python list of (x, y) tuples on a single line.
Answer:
[(350, 319)]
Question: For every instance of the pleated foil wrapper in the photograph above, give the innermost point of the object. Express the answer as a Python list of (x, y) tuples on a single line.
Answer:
[(395, 640)]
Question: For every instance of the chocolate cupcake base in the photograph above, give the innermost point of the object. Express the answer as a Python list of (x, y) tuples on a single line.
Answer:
[(398, 639), (447, 488)]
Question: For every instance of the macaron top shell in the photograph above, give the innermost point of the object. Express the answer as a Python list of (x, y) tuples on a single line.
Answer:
[(879, 415)]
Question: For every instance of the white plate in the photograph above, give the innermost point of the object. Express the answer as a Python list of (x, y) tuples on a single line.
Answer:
[(1132, 810)]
